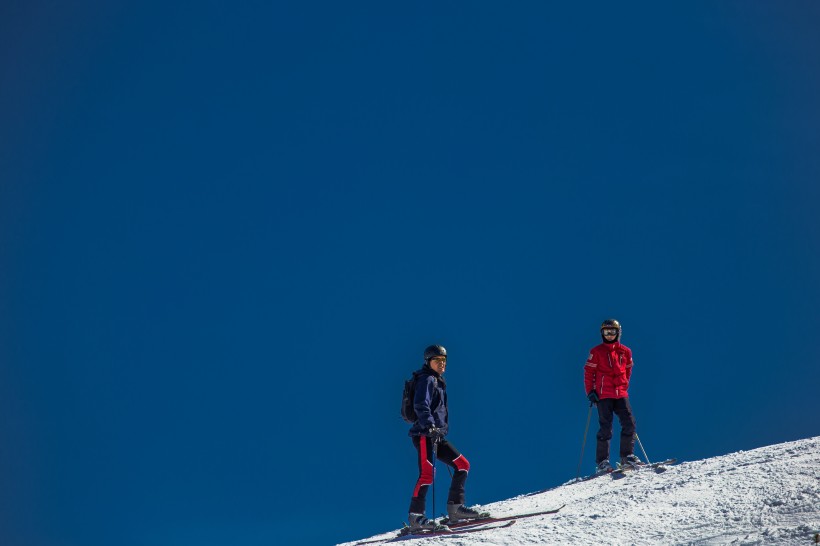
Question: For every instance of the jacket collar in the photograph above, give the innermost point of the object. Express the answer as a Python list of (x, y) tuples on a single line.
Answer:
[(427, 370)]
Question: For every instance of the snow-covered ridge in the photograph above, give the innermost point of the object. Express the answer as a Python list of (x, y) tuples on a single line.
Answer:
[(769, 495)]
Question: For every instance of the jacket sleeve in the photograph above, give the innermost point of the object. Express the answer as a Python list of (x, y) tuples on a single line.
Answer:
[(590, 373), (629, 365), (422, 400)]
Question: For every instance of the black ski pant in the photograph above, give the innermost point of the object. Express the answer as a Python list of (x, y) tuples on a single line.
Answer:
[(446, 453), (620, 407)]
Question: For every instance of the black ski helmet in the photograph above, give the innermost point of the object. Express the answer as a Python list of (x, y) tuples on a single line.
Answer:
[(433, 351), (611, 323)]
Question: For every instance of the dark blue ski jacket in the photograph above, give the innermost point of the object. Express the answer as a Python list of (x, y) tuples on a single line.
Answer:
[(430, 402)]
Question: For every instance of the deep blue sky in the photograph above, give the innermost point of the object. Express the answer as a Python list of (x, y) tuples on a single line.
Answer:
[(228, 232)]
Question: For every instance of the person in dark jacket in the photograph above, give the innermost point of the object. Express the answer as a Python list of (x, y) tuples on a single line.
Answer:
[(428, 435), (606, 380)]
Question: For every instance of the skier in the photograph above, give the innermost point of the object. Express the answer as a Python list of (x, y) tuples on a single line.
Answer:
[(427, 432), (606, 380)]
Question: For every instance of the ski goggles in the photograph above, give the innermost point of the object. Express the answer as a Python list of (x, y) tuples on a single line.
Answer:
[(609, 331)]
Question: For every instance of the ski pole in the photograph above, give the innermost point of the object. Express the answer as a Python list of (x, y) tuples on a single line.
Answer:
[(642, 449), (433, 487), (584, 444)]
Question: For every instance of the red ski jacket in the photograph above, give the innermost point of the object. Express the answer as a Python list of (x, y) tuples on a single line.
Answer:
[(608, 370)]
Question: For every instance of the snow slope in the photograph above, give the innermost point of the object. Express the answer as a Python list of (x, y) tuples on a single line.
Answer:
[(769, 495)]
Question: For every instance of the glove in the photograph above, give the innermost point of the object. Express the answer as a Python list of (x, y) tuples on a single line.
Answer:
[(435, 433), (593, 397)]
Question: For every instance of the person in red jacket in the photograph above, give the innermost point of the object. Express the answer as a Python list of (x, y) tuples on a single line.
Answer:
[(606, 380)]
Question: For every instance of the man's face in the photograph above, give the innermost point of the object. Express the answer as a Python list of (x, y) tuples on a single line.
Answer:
[(438, 363), (609, 333)]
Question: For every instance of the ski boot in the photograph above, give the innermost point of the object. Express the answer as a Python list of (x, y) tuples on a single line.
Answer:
[(457, 512), (603, 467), (631, 461), (419, 524)]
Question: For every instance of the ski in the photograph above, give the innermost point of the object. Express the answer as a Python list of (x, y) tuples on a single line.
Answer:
[(493, 520), (591, 476), (477, 527), (657, 467), (619, 472), (469, 526), (406, 534)]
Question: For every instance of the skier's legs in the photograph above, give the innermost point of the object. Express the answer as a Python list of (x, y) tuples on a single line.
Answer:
[(424, 447), (604, 430), (623, 410), (448, 454)]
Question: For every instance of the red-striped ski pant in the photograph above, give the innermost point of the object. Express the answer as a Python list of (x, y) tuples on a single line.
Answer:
[(449, 455)]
